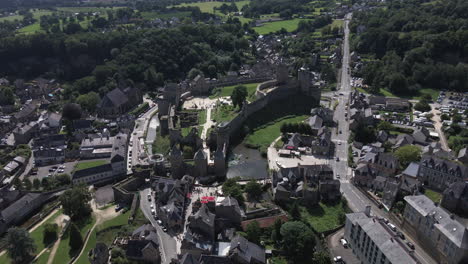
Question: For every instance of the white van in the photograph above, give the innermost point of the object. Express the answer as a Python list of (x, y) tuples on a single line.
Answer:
[(392, 226)]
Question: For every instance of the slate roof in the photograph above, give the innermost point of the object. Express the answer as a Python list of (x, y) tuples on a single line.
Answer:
[(316, 122), (205, 216), (119, 148), (458, 190), (9, 213), (210, 259), (189, 259), (247, 250), (412, 169), (392, 250), (451, 228), (90, 171), (135, 247), (114, 98)]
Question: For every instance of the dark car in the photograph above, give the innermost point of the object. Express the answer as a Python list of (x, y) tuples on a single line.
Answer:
[(410, 245), (401, 235)]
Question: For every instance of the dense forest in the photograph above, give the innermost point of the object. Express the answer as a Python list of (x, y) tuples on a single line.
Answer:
[(414, 44), (137, 55)]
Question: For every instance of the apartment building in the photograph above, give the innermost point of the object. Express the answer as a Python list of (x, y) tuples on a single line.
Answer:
[(440, 234), (373, 242)]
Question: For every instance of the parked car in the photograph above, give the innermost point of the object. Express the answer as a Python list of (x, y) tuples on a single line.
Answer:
[(410, 245), (344, 243), (338, 259), (401, 235), (159, 222), (153, 212), (392, 226)]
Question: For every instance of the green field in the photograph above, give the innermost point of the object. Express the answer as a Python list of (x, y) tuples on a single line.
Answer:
[(76, 9), (63, 254), (270, 27), (323, 217), (36, 14), (433, 195), (154, 15), (89, 164), (37, 235), (224, 113), (208, 7), (263, 136), (227, 91), (337, 23)]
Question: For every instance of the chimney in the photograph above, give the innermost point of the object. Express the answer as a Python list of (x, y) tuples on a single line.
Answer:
[(367, 210)]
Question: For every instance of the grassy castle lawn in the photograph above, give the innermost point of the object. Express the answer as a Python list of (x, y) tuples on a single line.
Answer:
[(208, 7), (270, 27), (89, 164), (263, 136), (227, 91)]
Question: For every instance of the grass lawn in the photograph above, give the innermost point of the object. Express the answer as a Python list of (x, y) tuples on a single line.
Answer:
[(278, 260), (263, 136), (30, 29), (224, 113), (433, 93), (63, 254), (337, 23), (323, 217), (89, 164), (161, 144), (227, 90), (154, 15), (433, 195), (44, 257), (36, 14), (208, 7), (77, 9), (269, 27), (37, 235), (83, 259)]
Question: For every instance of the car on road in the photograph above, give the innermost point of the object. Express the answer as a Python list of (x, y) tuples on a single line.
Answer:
[(410, 245), (392, 226), (337, 158), (153, 212), (151, 206), (341, 132), (339, 143), (337, 176), (401, 235), (341, 93), (344, 243), (159, 222), (164, 229), (338, 259)]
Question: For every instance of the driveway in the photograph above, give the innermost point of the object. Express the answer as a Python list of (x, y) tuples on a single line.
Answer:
[(336, 249), (43, 172)]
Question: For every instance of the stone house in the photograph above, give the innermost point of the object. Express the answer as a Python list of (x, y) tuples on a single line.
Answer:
[(439, 173), (119, 101), (228, 208), (455, 198)]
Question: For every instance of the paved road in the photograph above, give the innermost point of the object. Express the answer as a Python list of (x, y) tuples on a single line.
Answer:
[(137, 140), (438, 126), (357, 201), (167, 243)]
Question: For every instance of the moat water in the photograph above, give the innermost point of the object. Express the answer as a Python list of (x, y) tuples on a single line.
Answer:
[(246, 163)]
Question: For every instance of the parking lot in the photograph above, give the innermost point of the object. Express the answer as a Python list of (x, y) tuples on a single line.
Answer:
[(47, 171)]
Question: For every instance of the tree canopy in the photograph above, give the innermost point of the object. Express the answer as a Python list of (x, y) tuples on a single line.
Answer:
[(239, 94), (75, 202), (407, 154), (20, 245), (298, 240)]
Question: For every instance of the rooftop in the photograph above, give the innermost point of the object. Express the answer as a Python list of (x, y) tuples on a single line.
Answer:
[(451, 228)]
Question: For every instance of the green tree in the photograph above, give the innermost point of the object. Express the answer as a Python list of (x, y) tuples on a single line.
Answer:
[(253, 189), (232, 188), (36, 184), (71, 111), (254, 232), (27, 184), (50, 233), (408, 154), (322, 257), (295, 212), (384, 125), (76, 240), (88, 101), (422, 106), (45, 183), (298, 240), (444, 117), (276, 232), (75, 202), (238, 95), (20, 245), (7, 97), (400, 206), (17, 184)]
